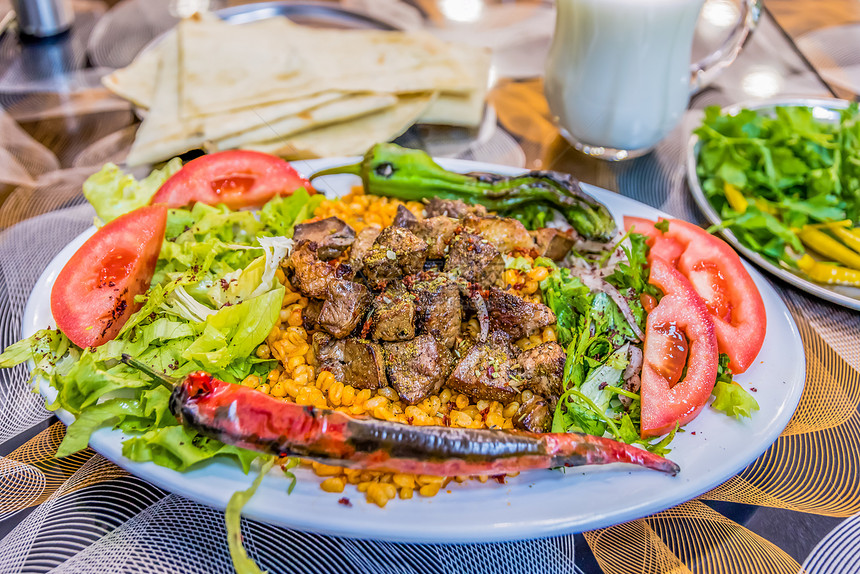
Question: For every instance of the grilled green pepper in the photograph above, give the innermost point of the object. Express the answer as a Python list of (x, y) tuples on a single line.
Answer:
[(408, 174)]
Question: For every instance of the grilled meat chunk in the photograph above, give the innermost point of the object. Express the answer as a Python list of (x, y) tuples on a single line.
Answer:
[(543, 370), (361, 246), (505, 233), (439, 310), (311, 314), (534, 415), (331, 235), (352, 361), (396, 253), (516, 316), (345, 306), (310, 275), (403, 217), (393, 315), (417, 368), (476, 260), (485, 372), (452, 208), (553, 243), (437, 232)]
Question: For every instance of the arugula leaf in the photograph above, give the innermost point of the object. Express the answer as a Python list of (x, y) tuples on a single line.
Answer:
[(800, 170)]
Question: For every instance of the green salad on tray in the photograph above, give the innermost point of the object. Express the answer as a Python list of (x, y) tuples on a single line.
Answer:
[(787, 184)]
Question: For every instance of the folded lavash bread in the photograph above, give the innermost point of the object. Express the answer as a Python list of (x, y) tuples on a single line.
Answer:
[(324, 84)]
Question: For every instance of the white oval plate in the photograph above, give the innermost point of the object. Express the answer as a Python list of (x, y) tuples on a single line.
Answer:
[(823, 109), (531, 505)]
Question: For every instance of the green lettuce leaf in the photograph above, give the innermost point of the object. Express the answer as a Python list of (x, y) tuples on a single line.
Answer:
[(233, 519), (112, 192)]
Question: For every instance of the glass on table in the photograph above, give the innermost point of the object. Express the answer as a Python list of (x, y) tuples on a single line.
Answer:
[(618, 76)]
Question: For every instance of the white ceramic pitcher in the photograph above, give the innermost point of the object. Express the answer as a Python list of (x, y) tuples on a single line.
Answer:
[(618, 77)]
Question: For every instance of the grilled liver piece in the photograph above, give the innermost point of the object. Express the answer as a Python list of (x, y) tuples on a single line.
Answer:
[(352, 361), (543, 370), (345, 306), (553, 243), (417, 368), (403, 217), (504, 233), (331, 235), (452, 208), (437, 233), (440, 312), (516, 316), (310, 275), (311, 314), (393, 315), (534, 415), (476, 260), (396, 253), (361, 246), (485, 372)]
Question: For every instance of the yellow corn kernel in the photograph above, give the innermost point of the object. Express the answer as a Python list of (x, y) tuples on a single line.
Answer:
[(265, 388), (539, 274), (251, 381), (374, 402), (462, 401), (445, 396), (512, 276), (460, 419), (406, 493), (357, 409), (403, 480), (362, 396), (325, 380), (495, 421), (295, 318), (321, 469), (429, 489), (263, 352), (335, 392), (333, 484), (290, 297), (388, 393), (549, 334), (348, 395), (511, 409), (294, 362), (279, 390)]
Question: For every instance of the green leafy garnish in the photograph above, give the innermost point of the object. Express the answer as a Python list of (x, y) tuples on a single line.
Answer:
[(769, 174), (242, 563), (729, 397)]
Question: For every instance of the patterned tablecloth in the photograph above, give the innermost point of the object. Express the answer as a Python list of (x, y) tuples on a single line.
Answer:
[(796, 507)]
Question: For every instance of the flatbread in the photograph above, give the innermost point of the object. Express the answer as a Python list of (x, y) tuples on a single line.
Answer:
[(220, 62), (353, 137), (345, 108), (333, 60), (459, 109), (136, 82), (161, 135)]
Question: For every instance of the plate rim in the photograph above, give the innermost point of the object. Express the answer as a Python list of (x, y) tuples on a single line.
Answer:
[(373, 526), (714, 218)]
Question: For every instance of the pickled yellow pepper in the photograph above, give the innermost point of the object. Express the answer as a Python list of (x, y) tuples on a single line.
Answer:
[(829, 247), (829, 273)]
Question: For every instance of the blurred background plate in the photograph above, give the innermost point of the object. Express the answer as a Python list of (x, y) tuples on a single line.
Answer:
[(826, 110)]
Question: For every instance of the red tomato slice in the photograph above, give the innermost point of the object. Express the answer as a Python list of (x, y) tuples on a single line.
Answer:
[(94, 293), (661, 246), (236, 178), (718, 275), (678, 333)]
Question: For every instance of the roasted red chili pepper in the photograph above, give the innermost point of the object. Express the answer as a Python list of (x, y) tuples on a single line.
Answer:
[(250, 419)]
